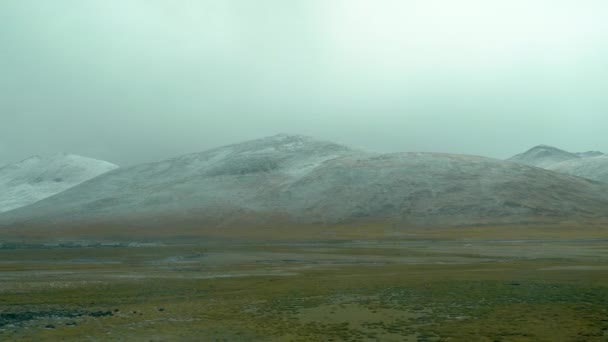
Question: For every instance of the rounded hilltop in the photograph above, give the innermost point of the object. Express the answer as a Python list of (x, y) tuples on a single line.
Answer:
[(301, 180)]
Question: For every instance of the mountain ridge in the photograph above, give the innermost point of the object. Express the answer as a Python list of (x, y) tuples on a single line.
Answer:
[(591, 164), (543, 156), (300, 180)]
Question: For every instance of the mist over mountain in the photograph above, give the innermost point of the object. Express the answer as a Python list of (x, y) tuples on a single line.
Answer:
[(394, 216), (301, 180), (36, 178)]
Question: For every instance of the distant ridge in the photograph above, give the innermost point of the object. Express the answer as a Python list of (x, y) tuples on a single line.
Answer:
[(591, 164), (595, 168), (543, 156), (291, 180), (36, 178)]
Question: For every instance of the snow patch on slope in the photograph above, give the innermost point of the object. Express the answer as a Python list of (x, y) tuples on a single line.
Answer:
[(36, 178), (591, 164), (241, 175), (595, 168)]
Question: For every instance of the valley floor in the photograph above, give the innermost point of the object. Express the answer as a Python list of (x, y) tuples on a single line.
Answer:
[(453, 289)]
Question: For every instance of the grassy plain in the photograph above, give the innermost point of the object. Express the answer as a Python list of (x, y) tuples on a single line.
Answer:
[(465, 284)]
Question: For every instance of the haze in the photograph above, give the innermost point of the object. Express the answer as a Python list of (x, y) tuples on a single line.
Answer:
[(138, 80)]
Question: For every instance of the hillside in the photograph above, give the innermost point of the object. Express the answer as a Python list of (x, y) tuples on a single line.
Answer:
[(300, 180), (543, 156), (595, 168), (36, 178), (591, 164)]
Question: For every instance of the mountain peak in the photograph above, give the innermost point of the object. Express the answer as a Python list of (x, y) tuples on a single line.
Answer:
[(287, 144), (546, 147), (285, 138), (543, 156)]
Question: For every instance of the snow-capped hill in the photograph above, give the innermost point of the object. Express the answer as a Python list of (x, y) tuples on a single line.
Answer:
[(595, 168), (231, 175), (543, 156), (429, 188), (591, 164), (36, 178), (294, 179), (290, 154)]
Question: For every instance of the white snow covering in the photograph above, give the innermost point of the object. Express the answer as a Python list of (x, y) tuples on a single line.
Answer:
[(595, 168), (36, 178), (308, 180), (591, 164)]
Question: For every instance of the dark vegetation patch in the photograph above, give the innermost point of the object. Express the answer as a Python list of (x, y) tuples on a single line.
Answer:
[(499, 299), (438, 311), (7, 318)]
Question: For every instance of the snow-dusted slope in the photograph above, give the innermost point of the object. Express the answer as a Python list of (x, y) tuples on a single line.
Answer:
[(595, 168), (427, 188), (591, 164), (227, 176), (543, 156), (37, 177), (303, 180)]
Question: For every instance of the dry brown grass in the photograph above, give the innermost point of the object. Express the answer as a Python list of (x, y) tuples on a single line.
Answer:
[(494, 292)]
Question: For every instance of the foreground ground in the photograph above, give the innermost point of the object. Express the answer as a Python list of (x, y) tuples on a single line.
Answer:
[(461, 286)]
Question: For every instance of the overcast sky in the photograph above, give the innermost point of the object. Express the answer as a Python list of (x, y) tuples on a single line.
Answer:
[(131, 81)]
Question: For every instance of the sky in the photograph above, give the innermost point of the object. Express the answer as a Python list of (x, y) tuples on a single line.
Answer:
[(133, 81)]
